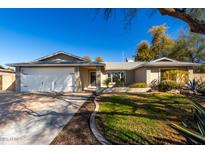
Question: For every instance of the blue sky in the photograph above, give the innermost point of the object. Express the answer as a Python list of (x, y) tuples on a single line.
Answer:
[(26, 34)]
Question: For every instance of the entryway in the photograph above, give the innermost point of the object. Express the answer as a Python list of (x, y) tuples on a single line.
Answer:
[(93, 79)]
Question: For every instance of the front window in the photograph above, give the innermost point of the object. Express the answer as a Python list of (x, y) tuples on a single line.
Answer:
[(117, 77), (180, 76)]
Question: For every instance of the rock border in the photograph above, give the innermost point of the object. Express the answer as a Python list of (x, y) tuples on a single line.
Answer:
[(93, 126)]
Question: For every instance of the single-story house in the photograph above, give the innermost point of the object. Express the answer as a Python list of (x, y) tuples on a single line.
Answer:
[(65, 72), (7, 79)]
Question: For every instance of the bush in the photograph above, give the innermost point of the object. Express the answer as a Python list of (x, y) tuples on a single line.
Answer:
[(168, 85), (201, 90), (107, 82), (138, 85)]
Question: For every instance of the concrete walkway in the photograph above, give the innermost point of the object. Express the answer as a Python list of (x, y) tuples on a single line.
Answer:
[(35, 119)]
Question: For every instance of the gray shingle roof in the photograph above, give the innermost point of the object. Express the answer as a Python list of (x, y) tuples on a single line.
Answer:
[(61, 62), (133, 65), (57, 63), (177, 63), (122, 65), (162, 62), (57, 53)]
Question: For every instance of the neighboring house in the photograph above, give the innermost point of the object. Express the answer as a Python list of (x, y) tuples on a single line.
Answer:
[(7, 79), (65, 72)]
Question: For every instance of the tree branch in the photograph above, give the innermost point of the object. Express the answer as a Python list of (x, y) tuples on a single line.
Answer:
[(196, 25)]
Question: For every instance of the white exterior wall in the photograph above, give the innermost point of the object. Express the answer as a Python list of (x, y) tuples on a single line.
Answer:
[(104, 76), (154, 75)]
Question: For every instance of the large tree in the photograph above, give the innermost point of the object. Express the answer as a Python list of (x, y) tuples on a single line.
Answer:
[(87, 58), (189, 47), (194, 17), (143, 52), (99, 59), (161, 42)]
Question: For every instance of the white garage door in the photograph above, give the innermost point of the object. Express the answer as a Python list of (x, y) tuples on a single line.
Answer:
[(47, 79)]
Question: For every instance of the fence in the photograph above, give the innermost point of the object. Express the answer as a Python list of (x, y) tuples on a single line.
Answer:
[(7, 81)]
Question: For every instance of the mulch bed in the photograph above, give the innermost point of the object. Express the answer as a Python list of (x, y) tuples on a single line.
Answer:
[(77, 131)]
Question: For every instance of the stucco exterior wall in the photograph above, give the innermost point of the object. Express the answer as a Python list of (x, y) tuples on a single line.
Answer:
[(104, 76), (84, 77), (190, 70), (130, 78), (78, 80), (140, 75), (154, 75), (18, 79)]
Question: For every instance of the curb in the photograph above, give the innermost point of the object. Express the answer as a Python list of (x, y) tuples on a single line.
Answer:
[(93, 127)]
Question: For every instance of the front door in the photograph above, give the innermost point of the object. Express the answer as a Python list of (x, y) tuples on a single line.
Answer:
[(93, 78)]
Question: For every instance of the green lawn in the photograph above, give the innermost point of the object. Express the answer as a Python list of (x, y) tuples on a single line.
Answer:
[(143, 118)]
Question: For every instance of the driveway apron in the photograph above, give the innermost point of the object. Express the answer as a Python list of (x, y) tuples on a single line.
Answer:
[(40, 123)]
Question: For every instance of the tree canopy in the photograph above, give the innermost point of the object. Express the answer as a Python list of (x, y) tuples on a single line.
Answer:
[(189, 47), (99, 59), (161, 44), (143, 52), (87, 58), (160, 41)]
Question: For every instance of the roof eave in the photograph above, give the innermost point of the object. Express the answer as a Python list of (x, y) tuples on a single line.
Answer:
[(117, 69), (173, 65), (50, 65)]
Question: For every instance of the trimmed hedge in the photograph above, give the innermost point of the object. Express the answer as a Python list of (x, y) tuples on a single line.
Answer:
[(168, 85), (138, 85)]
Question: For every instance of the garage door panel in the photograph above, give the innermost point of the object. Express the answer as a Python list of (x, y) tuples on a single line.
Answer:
[(47, 79), (30, 82)]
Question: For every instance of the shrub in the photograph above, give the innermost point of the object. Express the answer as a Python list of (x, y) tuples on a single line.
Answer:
[(181, 76), (118, 83), (201, 90), (168, 85), (107, 82), (193, 85), (138, 85)]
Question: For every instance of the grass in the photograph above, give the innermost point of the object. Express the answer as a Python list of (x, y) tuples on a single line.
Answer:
[(143, 118)]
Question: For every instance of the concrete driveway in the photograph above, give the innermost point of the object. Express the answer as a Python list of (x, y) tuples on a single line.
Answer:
[(35, 118)]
